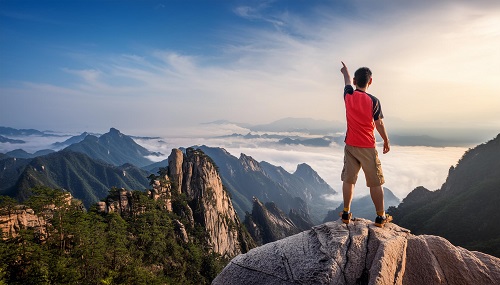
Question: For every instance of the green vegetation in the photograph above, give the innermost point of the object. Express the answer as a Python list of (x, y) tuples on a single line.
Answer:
[(84, 177), (89, 247)]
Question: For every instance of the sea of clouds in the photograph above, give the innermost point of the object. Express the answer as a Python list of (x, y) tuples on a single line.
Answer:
[(405, 167)]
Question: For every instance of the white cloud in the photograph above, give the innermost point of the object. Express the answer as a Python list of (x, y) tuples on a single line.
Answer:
[(90, 76), (33, 143), (405, 168)]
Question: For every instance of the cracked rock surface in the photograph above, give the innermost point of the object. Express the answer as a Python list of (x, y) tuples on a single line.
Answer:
[(360, 253)]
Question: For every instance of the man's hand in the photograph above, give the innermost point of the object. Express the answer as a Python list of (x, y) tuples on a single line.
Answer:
[(344, 69), (387, 147), (380, 126), (345, 72)]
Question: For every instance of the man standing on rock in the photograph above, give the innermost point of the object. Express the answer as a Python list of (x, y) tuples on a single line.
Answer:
[(364, 115)]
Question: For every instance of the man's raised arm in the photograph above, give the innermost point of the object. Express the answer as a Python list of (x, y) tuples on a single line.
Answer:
[(345, 72)]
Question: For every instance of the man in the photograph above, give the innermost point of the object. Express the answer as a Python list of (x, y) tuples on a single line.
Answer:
[(364, 115)]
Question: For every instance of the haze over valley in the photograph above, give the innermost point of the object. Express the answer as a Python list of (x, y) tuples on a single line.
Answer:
[(405, 167)]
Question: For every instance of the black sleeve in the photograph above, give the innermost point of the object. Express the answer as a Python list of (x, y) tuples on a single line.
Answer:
[(348, 89), (377, 109)]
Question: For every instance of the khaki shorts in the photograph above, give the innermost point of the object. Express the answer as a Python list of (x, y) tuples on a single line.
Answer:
[(367, 158)]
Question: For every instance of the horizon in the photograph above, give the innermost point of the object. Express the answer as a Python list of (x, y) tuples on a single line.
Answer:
[(155, 67), (423, 165), (309, 127)]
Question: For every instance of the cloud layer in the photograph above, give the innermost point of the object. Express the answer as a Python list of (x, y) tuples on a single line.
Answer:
[(405, 168)]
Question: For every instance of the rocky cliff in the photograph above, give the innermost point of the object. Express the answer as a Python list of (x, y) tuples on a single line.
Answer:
[(14, 218), (267, 223), (18, 218), (360, 253), (246, 178), (192, 188), (211, 205)]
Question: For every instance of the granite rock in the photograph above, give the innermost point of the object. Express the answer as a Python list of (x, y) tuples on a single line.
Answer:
[(360, 253)]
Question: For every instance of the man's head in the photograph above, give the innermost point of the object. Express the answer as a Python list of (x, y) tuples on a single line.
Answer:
[(362, 77)]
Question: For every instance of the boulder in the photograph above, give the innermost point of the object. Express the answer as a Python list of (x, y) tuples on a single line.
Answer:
[(360, 253)]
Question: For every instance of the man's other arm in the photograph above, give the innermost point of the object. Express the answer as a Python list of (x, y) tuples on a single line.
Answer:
[(379, 125)]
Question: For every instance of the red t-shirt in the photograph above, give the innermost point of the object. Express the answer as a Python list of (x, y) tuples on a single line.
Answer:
[(362, 110)]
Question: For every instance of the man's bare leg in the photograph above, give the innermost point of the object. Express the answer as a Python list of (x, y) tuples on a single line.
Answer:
[(348, 192), (382, 218), (377, 194)]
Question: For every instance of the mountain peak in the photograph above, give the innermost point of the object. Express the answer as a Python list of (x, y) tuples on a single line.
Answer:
[(267, 223), (249, 164), (304, 167), (311, 177), (114, 148), (114, 131), (361, 253)]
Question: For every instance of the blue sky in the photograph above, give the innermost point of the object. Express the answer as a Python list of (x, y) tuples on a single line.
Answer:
[(153, 67), (45, 33)]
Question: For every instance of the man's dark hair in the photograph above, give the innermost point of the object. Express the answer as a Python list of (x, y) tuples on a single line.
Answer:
[(362, 75)]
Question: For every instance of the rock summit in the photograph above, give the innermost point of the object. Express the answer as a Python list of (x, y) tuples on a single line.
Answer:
[(360, 253)]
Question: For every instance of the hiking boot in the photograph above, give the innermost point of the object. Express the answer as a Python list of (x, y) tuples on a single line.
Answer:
[(381, 221), (346, 217)]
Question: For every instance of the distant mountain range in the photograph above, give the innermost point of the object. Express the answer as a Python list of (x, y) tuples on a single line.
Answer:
[(70, 141), (88, 169), (19, 153), (247, 178), (288, 131), (300, 125), (6, 131), (12, 141), (91, 165), (325, 141), (332, 131), (114, 148), (85, 178), (469, 197)]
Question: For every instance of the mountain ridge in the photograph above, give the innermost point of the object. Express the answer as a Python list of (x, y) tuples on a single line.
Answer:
[(247, 178), (470, 192), (114, 148), (71, 140), (267, 223), (85, 178)]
